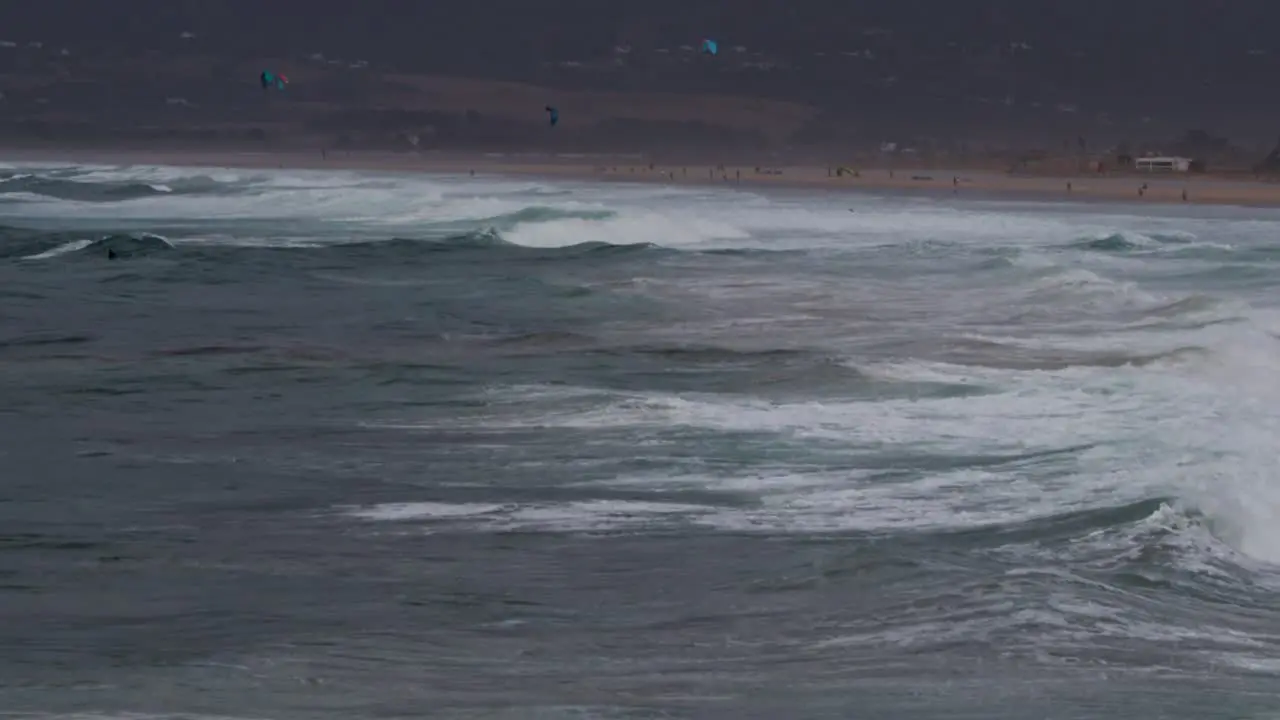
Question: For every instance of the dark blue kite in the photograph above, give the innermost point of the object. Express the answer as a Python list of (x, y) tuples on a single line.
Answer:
[(554, 115)]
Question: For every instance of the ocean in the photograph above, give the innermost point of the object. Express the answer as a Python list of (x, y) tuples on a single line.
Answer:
[(284, 445)]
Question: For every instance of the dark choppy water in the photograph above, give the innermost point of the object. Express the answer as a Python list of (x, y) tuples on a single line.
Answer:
[(343, 446)]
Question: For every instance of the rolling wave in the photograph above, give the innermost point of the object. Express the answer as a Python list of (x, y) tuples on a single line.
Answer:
[(1006, 433)]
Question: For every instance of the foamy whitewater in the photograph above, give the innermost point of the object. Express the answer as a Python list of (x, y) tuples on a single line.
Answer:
[(339, 445)]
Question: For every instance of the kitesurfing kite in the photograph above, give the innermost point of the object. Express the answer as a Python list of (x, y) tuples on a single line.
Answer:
[(710, 47), (554, 115), (267, 78)]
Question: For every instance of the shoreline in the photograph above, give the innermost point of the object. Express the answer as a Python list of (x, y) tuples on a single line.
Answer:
[(631, 168)]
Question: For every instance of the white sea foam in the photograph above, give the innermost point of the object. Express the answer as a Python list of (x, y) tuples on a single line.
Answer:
[(70, 247), (1198, 427)]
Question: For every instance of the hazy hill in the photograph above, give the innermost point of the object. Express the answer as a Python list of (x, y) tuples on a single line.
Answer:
[(1001, 71)]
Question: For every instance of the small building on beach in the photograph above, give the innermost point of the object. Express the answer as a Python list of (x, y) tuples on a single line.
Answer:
[(1163, 164)]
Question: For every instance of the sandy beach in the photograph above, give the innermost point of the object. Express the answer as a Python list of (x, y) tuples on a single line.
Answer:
[(985, 183)]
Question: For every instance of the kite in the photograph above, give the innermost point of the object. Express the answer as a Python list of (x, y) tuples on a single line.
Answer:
[(554, 115), (710, 47), (267, 78)]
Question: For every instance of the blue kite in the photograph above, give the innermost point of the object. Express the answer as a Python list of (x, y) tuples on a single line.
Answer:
[(710, 47), (553, 115)]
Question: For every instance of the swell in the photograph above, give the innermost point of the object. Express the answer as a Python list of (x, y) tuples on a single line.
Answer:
[(19, 243), (24, 243), (980, 352), (478, 241), (542, 213), (56, 187), (1171, 244), (1162, 544), (790, 373), (45, 246), (1059, 528)]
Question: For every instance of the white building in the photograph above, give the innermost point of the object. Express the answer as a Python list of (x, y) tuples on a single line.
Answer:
[(1163, 164)]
